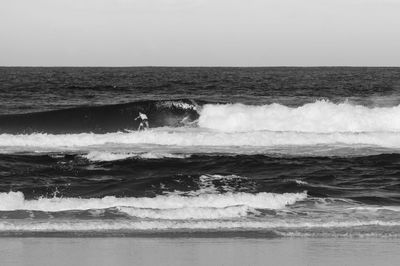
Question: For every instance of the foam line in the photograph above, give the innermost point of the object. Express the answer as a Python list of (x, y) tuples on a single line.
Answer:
[(189, 213), (96, 225), (96, 156), (196, 137), (15, 201)]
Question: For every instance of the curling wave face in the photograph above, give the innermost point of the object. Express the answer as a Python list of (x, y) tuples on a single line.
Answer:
[(101, 119)]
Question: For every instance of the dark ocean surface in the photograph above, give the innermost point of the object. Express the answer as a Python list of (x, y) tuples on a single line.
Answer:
[(235, 152)]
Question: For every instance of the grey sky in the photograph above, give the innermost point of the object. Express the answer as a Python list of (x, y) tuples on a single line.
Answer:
[(200, 32)]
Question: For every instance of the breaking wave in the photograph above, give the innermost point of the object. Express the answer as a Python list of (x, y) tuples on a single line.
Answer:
[(101, 119), (189, 123), (317, 117)]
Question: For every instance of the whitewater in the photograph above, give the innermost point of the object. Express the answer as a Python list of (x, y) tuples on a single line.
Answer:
[(206, 211), (318, 117)]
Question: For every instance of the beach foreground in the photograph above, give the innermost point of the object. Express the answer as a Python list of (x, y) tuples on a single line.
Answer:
[(198, 251)]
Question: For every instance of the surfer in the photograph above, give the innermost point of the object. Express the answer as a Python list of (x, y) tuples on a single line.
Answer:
[(144, 123)]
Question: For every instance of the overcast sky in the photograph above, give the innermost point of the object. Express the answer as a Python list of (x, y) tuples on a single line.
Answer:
[(200, 32)]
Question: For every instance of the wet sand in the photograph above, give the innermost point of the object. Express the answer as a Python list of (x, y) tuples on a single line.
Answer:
[(198, 251)]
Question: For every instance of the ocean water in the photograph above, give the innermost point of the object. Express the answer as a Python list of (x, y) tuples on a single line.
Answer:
[(235, 152)]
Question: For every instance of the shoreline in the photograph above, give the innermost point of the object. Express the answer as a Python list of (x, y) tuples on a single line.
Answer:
[(197, 251)]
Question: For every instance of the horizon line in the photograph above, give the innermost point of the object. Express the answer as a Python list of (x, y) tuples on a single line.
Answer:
[(201, 66)]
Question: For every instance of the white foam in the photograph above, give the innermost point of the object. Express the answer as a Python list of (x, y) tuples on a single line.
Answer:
[(206, 185), (300, 182), (106, 156), (197, 137), (177, 104), (321, 117), (104, 225), (189, 213), (156, 155), (114, 156), (16, 201)]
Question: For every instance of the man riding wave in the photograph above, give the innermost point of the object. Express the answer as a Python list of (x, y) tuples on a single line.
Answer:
[(144, 123)]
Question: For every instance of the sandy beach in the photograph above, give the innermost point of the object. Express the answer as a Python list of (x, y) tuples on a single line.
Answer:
[(198, 251)]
